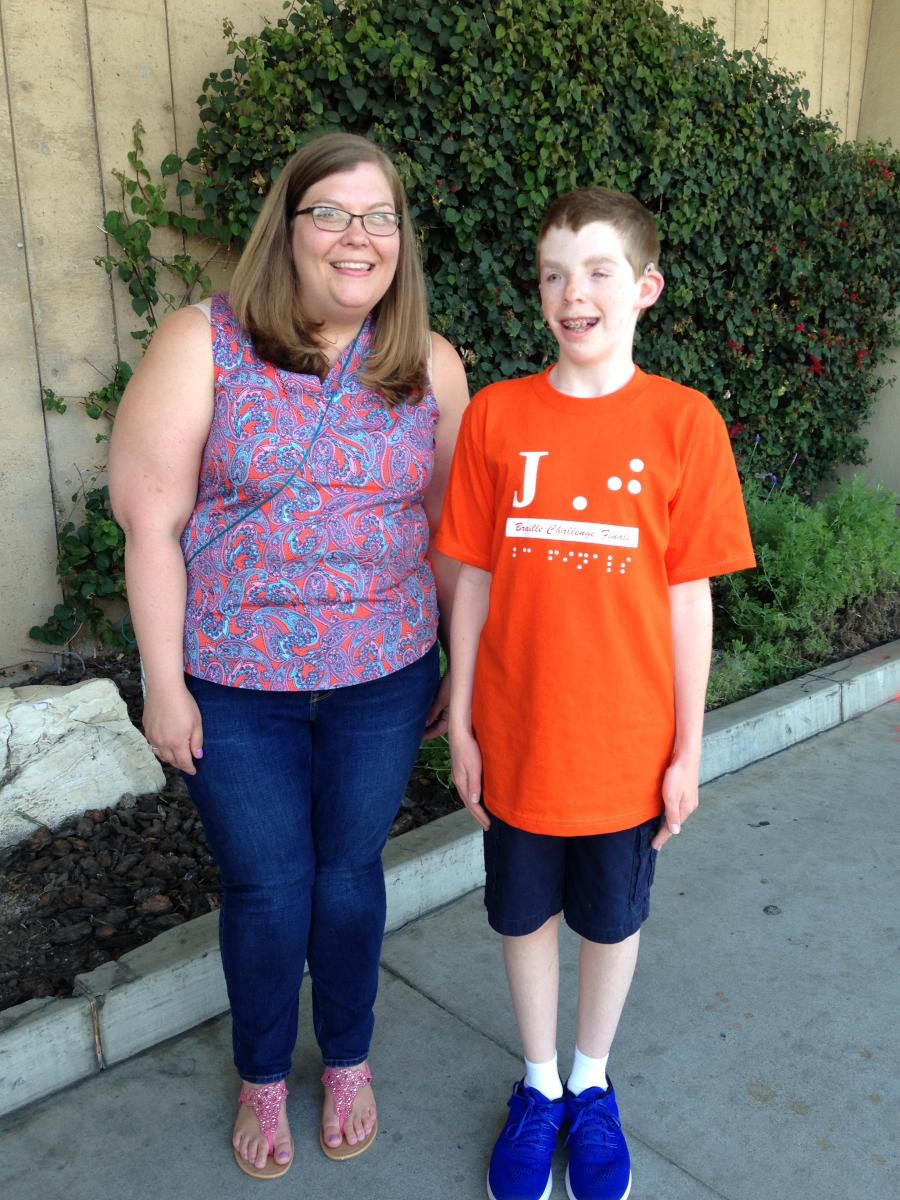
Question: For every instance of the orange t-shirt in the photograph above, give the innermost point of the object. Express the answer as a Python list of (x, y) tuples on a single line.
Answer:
[(585, 511)]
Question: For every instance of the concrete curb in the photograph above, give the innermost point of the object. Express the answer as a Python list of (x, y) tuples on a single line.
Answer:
[(175, 982), (761, 725)]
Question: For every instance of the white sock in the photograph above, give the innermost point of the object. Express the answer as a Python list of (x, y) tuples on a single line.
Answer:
[(587, 1073), (544, 1078)]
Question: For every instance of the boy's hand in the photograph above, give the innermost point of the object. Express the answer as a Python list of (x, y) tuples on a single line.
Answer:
[(466, 762), (680, 793)]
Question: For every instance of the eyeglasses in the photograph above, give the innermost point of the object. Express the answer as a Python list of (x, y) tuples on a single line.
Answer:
[(335, 220)]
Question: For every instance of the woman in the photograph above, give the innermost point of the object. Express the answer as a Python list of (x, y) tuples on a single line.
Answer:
[(278, 463)]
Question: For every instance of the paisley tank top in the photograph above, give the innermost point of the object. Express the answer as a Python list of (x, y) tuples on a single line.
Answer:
[(306, 550)]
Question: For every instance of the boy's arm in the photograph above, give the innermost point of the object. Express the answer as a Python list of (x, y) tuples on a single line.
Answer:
[(470, 608), (691, 615)]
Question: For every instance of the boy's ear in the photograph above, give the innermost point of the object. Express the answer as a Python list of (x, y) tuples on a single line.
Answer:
[(651, 286)]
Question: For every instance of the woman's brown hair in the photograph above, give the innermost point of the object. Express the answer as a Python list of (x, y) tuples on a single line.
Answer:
[(268, 302)]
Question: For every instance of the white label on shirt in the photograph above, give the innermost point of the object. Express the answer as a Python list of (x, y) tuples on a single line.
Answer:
[(586, 532)]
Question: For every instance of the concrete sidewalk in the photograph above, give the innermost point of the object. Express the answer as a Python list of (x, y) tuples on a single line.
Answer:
[(758, 1055)]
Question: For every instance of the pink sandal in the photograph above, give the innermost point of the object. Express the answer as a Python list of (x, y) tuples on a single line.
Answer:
[(266, 1104), (345, 1083)]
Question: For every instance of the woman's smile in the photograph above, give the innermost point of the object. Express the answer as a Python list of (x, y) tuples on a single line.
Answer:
[(343, 275)]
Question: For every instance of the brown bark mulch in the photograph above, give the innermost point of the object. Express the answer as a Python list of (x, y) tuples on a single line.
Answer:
[(114, 878)]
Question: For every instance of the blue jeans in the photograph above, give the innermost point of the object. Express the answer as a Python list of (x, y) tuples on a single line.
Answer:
[(297, 792)]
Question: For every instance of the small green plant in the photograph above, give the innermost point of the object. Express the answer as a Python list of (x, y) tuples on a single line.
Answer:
[(434, 757), (134, 260), (91, 569), (815, 563), (813, 560), (100, 404)]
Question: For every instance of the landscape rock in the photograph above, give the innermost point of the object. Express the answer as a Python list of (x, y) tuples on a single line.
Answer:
[(64, 751), (123, 856)]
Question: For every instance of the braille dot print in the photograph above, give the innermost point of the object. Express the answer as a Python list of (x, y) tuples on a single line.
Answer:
[(580, 502), (634, 486), (614, 483), (580, 566), (636, 464)]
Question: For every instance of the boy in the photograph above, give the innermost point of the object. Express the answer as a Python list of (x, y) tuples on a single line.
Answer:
[(588, 505)]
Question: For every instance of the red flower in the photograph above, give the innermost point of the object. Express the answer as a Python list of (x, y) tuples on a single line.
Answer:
[(800, 328), (861, 356), (773, 249), (815, 365), (886, 174), (736, 429)]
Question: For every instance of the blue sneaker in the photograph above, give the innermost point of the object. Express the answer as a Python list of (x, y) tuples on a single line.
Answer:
[(599, 1166), (521, 1162)]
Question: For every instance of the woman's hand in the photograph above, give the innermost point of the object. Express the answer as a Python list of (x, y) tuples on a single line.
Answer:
[(466, 766), (173, 727), (439, 714)]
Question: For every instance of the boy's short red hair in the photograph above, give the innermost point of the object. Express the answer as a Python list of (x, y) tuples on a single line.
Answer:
[(624, 212)]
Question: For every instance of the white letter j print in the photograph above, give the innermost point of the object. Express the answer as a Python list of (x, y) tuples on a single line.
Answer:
[(529, 483)]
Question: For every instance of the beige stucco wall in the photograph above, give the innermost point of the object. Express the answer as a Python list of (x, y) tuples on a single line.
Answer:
[(825, 40), (27, 551), (879, 119), (78, 73)]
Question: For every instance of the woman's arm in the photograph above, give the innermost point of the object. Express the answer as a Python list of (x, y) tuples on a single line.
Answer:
[(473, 589), (448, 379), (691, 617), (158, 437)]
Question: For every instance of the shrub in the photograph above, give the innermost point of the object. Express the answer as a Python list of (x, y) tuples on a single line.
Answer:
[(781, 246), (815, 563)]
